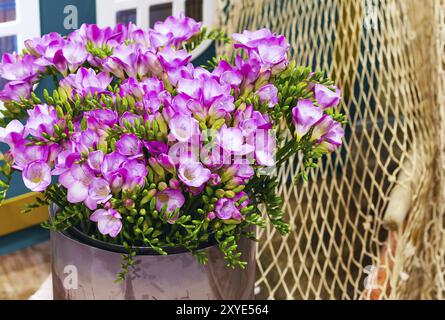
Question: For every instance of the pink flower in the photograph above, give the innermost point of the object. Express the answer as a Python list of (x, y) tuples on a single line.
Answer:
[(305, 116), (15, 90), (37, 176), (129, 145), (327, 97), (332, 139), (133, 173), (42, 119), (77, 181), (225, 209), (13, 133), (268, 93), (98, 192), (177, 29), (233, 140), (16, 68), (85, 82), (170, 199), (193, 174), (183, 127), (23, 154), (108, 221), (173, 59)]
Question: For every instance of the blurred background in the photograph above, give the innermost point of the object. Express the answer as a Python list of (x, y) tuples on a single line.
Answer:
[(370, 222)]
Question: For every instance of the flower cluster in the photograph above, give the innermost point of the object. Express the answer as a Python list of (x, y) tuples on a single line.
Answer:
[(155, 150)]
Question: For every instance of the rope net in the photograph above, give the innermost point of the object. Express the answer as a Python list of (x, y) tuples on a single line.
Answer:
[(369, 224)]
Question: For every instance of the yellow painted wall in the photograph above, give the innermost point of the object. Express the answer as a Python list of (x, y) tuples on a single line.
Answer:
[(11, 218)]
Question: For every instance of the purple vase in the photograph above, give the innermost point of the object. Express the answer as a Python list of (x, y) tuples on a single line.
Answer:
[(87, 270)]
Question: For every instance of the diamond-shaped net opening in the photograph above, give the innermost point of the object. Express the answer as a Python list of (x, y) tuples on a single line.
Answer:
[(370, 222)]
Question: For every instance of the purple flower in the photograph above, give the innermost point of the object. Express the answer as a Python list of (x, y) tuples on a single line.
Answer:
[(23, 154), (268, 93), (250, 39), (173, 59), (177, 29), (134, 173), (101, 119), (111, 164), (332, 139), (265, 47), (265, 147), (305, 116), (327, 97), (75, 54), (98, 192), (215, 179), (322, 127), (228, 74), (108, 221), (193, 174), (129, 145), (225, 209), (77, 181), (39, 45), (272, 53), (245, 171), (15, 90), (167, 163), (156, 147), (170, 199), (85, 140), (16, 68), (233, 140), (37, 176), (85, 82), (13, 133), (183, 127), (42, 119), (93, 33), (95, 160)]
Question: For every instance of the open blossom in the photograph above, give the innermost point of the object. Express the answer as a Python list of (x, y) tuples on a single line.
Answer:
[(77, 180), (37, 176), (327, 97), (109, 222), (193, 174), (134, 173), (233, 140), (183, 127), (176, 29), (225, 209), (85, 82), (16, 68), (13, 133), (173, 59), (169, 199), (24, 155), (15, 90), (264, 46), (268, 93), (332, 139), (42, 119), (129, 145), (305, 116)]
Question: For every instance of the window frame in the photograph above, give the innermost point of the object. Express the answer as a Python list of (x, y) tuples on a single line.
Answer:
[(106, 14), (26, 25)]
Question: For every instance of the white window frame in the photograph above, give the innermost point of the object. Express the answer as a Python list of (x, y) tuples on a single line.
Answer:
[(106, 14), (27, 22)]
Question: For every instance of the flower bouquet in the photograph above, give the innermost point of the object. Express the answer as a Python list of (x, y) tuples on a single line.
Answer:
[(139, 148)]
